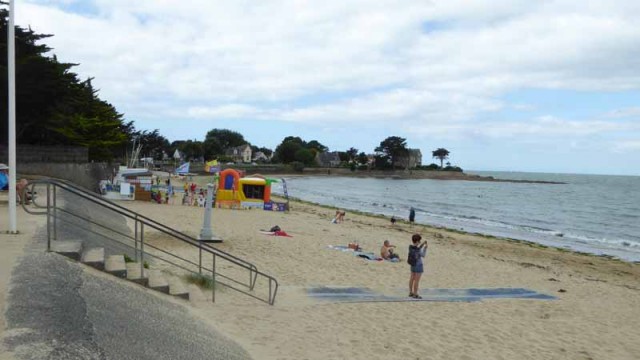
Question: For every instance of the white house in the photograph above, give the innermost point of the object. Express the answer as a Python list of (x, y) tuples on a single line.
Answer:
[(240, 153)]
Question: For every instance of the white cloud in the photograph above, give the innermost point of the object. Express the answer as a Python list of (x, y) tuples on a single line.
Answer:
[(627, 146), (230, 59)]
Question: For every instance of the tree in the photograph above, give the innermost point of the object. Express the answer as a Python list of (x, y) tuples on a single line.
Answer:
[(393, 147), (352, 153), (286, 151), (192, 149), (362, 159), (54, 106), (441, 154), (218, 141), (153, 144), (305, 156), (314, 144)]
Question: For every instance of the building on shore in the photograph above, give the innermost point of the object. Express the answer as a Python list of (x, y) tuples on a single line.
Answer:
[(411, 160), (240, 153)]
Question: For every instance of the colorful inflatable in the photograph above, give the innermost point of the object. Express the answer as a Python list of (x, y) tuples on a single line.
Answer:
[(235, 191)]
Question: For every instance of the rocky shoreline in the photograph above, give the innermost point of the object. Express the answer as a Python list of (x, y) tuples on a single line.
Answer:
[(414, 174)]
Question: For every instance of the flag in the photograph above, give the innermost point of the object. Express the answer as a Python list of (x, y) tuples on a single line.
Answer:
[(211, 166), (183, 169)]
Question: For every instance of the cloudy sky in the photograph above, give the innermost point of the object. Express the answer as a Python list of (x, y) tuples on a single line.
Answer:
[(521, 85)]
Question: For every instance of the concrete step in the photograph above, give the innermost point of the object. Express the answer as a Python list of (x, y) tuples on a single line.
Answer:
[(133, 274), (70, 249), (178, 289), (196, 294), (94, 257), (158, 282), (115, 265)]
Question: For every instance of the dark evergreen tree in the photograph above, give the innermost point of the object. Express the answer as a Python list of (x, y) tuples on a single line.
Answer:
[(393, 147)]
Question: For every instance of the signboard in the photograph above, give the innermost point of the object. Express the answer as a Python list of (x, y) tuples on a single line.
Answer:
[(275, 206)]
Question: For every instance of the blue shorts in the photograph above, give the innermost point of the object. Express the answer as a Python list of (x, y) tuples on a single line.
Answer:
[(417, 268)]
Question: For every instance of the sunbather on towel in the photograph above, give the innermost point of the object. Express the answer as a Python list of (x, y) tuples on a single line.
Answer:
[(387, 252)]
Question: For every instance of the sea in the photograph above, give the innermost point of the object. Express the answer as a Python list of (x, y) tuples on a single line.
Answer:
[(598, 214)]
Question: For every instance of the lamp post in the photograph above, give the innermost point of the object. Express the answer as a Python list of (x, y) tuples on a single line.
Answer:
[(206, 233), (11, 61)]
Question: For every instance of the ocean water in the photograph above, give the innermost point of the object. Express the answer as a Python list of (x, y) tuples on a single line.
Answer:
[(592, 213)]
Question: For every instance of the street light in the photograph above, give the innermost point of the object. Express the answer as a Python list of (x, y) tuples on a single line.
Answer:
[(11, 61)]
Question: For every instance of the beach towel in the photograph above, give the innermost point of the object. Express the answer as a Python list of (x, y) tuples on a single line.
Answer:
[(368, 255), (275, 233), (361, 254)]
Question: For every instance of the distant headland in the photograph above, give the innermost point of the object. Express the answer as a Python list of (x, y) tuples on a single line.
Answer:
[(403, 174)]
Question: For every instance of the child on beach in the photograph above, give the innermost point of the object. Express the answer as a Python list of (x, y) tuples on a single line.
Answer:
[(417, 252)]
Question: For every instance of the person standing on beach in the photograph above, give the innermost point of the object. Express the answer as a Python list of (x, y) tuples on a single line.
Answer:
[(412, 215), (417, 251)]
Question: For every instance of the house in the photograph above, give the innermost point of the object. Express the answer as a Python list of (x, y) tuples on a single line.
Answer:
[(328, 159), (411, 160), (260, 156), (240, 153)]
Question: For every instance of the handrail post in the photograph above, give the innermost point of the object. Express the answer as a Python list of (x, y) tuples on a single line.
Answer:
[(141, 250), (200, 258), (270, 298), (55, 215), (213, 279), (48, 221), (135, 239)]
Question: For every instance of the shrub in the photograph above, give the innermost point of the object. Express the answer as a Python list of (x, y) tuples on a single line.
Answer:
[(452, 168), (205, 282)]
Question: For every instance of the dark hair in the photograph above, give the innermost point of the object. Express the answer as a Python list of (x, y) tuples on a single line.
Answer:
[(416, 237)]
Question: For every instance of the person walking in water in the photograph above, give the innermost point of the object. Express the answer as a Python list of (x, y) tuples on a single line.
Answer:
[(412, 215), (417, 251)]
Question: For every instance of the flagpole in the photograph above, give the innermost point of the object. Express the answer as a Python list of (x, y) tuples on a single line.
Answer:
[(11, 60)]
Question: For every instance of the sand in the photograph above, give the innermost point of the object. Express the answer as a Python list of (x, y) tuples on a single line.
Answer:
[(594, 317)]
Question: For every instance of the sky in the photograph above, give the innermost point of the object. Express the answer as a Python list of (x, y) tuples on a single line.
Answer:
[(521, 85)]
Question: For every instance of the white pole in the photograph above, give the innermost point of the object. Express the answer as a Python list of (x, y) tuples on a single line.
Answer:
[(206, 233), (11, 42)]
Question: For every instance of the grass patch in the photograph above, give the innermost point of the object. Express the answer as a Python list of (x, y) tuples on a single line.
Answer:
[(128, 259), (203, 281)]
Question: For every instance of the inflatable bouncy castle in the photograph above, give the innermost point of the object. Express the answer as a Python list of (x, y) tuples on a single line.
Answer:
[(235, 191)]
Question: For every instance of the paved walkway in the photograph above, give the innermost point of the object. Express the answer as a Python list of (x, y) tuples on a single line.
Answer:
[(54, 308)]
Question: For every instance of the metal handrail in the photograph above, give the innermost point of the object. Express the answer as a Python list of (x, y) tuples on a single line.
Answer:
[(168, 229), (52, 209)]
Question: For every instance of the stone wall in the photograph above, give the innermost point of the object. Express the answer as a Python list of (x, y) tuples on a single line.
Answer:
[(86, 175), (46, 154)]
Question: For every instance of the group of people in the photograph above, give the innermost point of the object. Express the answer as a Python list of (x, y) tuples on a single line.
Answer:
[(417, 252)]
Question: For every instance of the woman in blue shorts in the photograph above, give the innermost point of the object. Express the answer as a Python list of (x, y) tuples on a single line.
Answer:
[(417, 252)]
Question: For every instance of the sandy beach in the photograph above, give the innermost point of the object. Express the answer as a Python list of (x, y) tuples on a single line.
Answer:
[(594, 316)]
